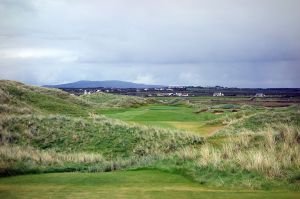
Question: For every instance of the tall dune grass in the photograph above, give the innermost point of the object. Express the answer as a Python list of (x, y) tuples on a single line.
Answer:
[(18, 153), (273, 152)]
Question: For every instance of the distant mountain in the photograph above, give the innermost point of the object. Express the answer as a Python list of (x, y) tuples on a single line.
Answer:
[(104, 84)]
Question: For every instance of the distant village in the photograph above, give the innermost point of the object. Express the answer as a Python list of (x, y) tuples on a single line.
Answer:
[(190, 91)]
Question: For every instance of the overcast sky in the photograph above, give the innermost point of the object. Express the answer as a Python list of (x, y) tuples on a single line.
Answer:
[(239, 43)]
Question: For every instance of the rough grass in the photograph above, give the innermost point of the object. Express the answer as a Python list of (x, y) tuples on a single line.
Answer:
[(48, 138), (273, 153), (106, 100), (257, 119), (19, 153), (16, 160), (95, 134)]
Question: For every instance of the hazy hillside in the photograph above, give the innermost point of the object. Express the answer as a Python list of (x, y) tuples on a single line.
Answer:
[(104, 84)]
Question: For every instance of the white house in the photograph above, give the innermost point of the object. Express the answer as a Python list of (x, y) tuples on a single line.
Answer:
[(260, 95), (219, 94), (87, 92)]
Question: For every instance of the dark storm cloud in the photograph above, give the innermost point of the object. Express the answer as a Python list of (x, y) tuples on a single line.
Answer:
[(230, 42)]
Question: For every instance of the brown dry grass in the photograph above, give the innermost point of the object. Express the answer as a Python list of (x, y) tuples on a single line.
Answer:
[(272, 152)]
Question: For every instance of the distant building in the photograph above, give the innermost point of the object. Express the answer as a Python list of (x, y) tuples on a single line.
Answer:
[(219, 94), (260, 95), (182, 94), (87, 92)]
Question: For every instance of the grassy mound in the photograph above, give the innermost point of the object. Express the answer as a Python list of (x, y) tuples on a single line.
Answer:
[(257, 119), (31, 99), (106, 100), (111, 138), (53, 126), (53, 141)]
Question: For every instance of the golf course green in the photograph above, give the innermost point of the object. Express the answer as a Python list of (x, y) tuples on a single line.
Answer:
[(166, 116)]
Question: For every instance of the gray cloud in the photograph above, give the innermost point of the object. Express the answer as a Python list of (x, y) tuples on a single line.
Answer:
[(197, 42)]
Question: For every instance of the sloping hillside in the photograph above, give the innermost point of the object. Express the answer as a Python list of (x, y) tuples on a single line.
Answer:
[(99, 134), (52, 123), (16, 97)]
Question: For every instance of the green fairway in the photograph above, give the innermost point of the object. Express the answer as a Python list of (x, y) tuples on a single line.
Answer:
[(121, 184), (166, 116)]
